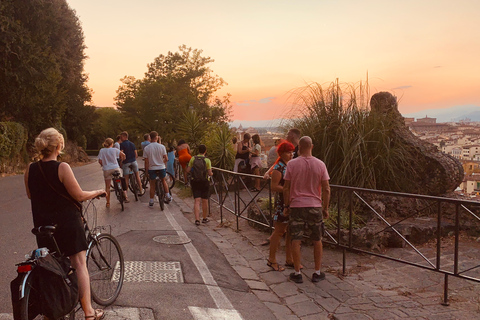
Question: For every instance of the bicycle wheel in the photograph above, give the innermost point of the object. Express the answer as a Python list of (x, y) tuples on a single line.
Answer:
[(170, 179), (144, 179), (160, 193), (29, 307), (106, 268), (132, 185), (119, 193)]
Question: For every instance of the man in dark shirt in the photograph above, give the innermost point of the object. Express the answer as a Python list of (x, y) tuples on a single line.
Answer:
[(131, 155)]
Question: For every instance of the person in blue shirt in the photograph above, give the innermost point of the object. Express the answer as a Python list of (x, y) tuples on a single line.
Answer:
[(171, 161), (131, 155), (146, 141)]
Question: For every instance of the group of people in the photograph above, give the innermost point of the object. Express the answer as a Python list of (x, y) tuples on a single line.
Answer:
[(248, 156), (300, 182), (55, 193), (302, 196)]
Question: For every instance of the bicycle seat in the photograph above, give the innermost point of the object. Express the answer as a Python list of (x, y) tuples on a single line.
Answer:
[(42, 230), (116, 174)]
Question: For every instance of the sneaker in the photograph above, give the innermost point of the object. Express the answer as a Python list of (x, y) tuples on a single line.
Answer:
[(197, 222), (150, 204), (167, 199), (297, 278), (317, 278), (141, 192), (205, 220)]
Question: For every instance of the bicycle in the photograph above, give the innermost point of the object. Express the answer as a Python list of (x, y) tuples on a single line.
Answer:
[(117, 187), (133, 185), (105, 264), (169, 178), (159, 190)]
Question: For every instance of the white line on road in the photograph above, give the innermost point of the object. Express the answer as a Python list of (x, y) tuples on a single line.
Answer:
[(217, 314), (217, 294)]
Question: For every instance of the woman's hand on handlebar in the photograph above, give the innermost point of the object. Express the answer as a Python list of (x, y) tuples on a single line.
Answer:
[(100, 194)]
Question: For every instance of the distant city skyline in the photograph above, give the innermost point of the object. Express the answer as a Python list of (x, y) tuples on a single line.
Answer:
[(424, 52), (453, 114)]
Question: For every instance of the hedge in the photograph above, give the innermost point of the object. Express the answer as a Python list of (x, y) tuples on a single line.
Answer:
[(13, 139)]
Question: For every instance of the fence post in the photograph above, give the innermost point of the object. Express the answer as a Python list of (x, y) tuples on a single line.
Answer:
[(350, 227), (445, 291), (237, 199), (270, 206), (439, 234), (221, 198), (457, 235)]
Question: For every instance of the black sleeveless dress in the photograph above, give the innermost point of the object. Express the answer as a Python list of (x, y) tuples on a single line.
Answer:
[(50, 208)]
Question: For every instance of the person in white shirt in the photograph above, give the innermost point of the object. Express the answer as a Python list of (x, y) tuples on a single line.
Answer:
[(155, 155), (108, 159)]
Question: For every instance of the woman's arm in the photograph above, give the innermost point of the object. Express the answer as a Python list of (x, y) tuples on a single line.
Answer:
[(66, 176), (275, 183), (256, 151), (25, 179)]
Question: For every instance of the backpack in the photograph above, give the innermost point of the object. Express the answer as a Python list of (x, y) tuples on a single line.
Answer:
[(199, 169)]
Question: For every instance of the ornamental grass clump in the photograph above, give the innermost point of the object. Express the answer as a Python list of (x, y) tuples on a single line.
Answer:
[(357, 146)]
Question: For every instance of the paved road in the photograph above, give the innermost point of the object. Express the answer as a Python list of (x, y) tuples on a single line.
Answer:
[(169, 281)]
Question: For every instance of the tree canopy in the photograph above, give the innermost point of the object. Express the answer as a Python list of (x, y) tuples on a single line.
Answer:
[(174, 84), (42, 82)]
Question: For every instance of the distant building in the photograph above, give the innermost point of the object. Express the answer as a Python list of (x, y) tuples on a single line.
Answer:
[(471, 184), (469, 151), (427, 125)]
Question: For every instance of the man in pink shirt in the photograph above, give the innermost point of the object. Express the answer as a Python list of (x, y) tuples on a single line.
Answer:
[(306, 194)]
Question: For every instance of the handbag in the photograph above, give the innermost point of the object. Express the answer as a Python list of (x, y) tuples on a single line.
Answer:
[(57, 285)]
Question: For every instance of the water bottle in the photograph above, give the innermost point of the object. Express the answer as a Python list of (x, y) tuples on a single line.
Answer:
[(41, 252)]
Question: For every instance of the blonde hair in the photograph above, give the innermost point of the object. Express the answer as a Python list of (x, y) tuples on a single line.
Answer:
[(108, 142), (48, 141)]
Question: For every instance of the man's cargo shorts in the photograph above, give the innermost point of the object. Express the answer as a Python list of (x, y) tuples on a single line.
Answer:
[(306, 222)]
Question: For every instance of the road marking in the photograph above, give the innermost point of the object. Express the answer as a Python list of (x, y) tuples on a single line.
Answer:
[(150, 271), (211, 314), (216, 293)]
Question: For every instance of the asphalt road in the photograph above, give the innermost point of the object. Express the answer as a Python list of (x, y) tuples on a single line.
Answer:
[(211, 289)]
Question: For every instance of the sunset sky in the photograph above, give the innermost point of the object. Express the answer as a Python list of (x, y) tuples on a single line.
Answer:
[(425, 52)]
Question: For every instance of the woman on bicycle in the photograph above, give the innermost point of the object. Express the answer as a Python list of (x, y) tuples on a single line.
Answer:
[(107, 157), (184, 156), (55, 194)]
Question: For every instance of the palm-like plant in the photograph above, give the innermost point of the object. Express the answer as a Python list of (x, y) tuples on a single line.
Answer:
[(192, 129), (219, 147)]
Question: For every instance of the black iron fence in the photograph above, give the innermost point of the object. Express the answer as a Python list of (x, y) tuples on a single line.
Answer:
[(365, 220)]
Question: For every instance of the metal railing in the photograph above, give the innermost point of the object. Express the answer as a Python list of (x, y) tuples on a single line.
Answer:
[(448, 217)]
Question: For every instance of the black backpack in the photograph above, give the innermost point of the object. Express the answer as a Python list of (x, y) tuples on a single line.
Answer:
[(199, 169)]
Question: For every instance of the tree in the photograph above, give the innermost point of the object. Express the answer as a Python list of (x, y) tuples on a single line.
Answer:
[(42, 82), (108, 123), (173, 84)]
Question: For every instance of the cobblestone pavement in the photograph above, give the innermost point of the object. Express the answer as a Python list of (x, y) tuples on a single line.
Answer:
[(373, 288)]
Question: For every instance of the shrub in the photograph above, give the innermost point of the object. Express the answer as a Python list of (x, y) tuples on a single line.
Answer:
[(13, 139), (358, 149)]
